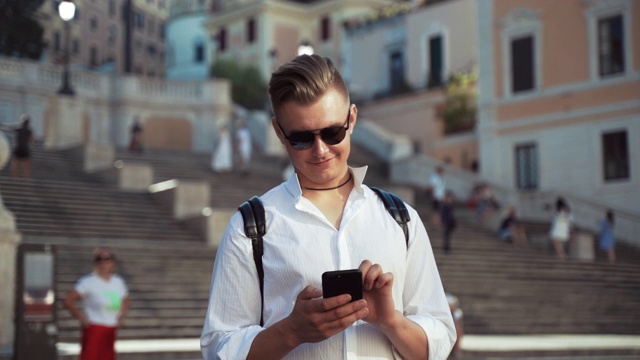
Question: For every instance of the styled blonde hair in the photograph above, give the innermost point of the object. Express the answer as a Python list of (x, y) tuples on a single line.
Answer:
[(304, 80)]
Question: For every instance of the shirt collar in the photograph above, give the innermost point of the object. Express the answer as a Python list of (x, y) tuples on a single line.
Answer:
[(293, 184)]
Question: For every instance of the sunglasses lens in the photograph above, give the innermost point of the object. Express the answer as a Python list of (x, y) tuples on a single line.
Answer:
[(103, 258), (302, 140), (333, 135)]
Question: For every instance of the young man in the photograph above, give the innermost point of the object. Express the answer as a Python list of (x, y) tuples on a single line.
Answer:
[(437, 187), (324, 218)]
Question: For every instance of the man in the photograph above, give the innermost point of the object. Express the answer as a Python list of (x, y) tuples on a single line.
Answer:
[(324, 218), (437, 187)]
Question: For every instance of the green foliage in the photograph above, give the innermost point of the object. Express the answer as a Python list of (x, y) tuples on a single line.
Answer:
[(20, 32), (459, 112), (248, 89)]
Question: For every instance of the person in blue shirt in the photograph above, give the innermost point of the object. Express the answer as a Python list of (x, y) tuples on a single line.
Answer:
[(607, 240)]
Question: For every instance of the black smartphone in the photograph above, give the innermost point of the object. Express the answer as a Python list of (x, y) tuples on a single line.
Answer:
[(342, 282)]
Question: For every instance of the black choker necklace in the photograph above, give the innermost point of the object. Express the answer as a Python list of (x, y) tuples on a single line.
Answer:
[(331, 188)]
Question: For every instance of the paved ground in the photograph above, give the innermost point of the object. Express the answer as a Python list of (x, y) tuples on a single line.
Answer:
[(574, 346)]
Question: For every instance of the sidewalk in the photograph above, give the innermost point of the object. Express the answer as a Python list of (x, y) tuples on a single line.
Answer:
[(527, 343), (530, 346)]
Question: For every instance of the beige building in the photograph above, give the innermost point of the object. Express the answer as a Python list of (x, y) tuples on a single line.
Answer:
[(559, 100), (122, 36), (267, 33)]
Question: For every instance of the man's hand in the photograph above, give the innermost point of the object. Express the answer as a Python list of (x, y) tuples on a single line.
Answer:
[(377, 290), (314, 319)]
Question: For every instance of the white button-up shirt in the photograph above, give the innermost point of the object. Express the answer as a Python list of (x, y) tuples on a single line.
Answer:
[(301, 244)]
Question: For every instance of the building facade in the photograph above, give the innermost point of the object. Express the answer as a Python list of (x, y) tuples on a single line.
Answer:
[(559, 100), (120, 36), (189, 48), (398, 66), (267, 33)]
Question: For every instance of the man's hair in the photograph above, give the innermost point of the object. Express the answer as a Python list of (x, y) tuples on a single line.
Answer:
[(304, 80)]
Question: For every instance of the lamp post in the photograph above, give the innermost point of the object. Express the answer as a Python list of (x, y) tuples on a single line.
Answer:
[(67, 11), (305, 48)]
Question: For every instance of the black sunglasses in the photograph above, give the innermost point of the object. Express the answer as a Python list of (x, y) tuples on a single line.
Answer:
[(302, 140), (104, 258)]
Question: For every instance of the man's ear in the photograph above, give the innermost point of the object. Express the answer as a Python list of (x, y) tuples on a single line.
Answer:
[(353, 117), (276, 128)]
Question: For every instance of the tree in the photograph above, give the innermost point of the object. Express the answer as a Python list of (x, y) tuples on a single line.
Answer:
[(459, 111), (248, 89), (20, 31)]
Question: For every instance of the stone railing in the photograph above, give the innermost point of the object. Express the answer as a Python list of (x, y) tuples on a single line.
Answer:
[(48, 77), (386, 146)]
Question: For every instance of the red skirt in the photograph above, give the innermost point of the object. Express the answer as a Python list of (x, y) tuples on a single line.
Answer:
[(98, 343)]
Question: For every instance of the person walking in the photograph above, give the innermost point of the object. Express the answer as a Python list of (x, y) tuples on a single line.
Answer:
[(561, 227), (135, 143), (324, 218), (21, 158), (437, 188), (448, 218), (606, 238), (243, 147), (221, 161), (105, 301)]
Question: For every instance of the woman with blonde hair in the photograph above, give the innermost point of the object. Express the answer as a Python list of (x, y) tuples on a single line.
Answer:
[(105, 300)]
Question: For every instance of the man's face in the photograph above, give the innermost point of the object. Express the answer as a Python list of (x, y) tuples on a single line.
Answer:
[(322, 164)]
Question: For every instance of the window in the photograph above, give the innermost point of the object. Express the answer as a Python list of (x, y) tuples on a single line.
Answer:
[(522, 64), (138, 19), (527, 167), (222, 39), (396, 72), (436, 61), (611, 51), (251, 30), (93, 23), (112, 33), (93, 56), (112, 8), (198, 53), (615, 155), (325, 28)]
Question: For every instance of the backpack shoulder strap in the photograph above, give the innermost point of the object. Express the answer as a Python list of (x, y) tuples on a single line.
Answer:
[(254, 227), (396, 208)]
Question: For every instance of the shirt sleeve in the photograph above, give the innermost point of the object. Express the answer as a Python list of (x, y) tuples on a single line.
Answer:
[(424, 298), (123, 286), (82, 286), (233, 315)]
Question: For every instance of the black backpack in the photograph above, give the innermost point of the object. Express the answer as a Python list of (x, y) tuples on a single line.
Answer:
[(255, 227)]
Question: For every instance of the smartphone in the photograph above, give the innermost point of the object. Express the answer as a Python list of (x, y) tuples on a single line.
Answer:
[(342, 282)]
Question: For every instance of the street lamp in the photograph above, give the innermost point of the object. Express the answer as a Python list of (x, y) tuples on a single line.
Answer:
[(66, 10), (305, 48)]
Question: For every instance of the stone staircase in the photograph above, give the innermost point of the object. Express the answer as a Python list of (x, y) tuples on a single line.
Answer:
[(503, 289), (169, 288), (54, 208)]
